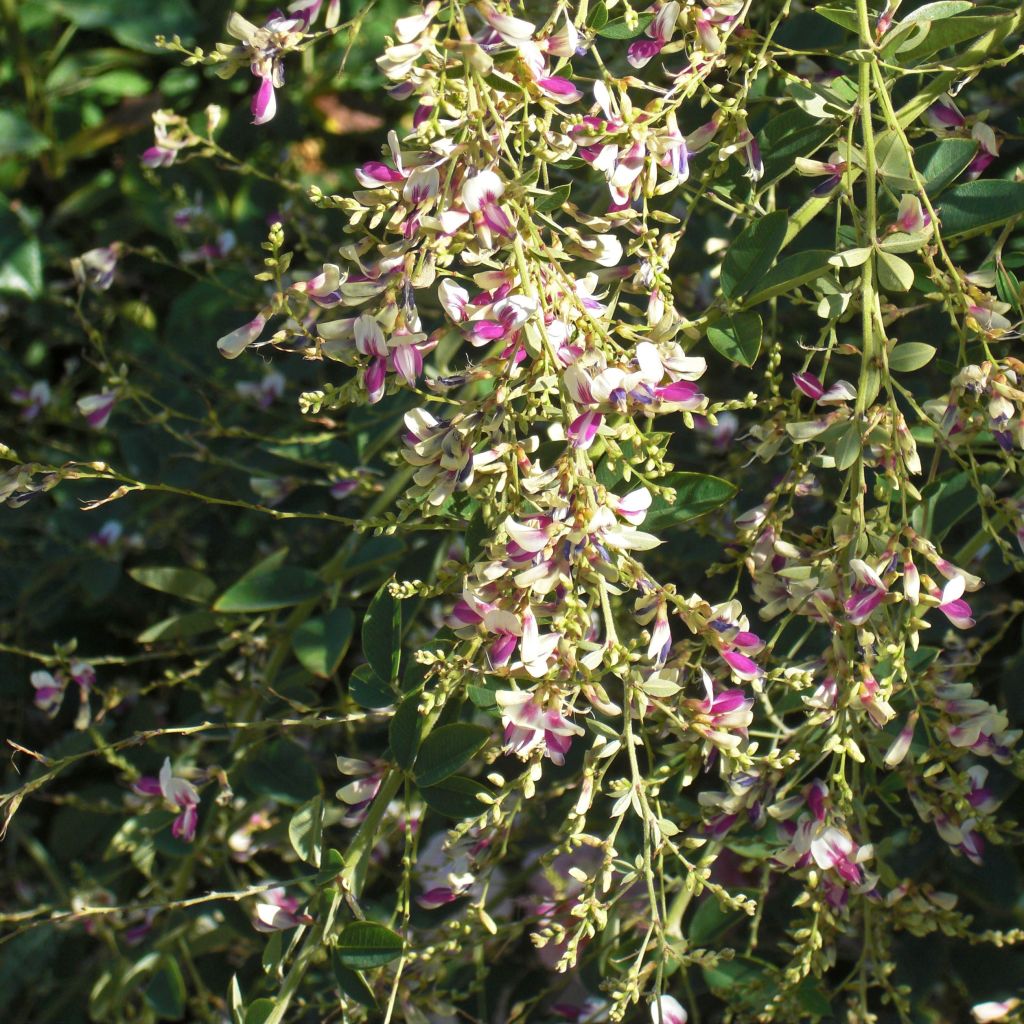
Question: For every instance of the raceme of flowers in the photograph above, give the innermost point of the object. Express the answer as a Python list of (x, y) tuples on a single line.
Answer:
[(511, 261)]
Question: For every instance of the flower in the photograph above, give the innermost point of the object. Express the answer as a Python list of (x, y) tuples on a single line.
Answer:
[(659, 31), (952, 604), (32, 399), (49, 691), (811, 386), (95, 268), (279, 912), (668, 1010), (359, 793), (232, 345), (866, 594), (263, 392), (179, 794), (530, 725), (97, 408), (991, 1012)]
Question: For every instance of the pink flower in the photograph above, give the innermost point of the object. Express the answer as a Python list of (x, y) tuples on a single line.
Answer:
[(179, 794), (659, 31), (279, 913), (97, 408), (866, 594), (359, 793), (810, 385), (232, 345), (529, 725), (559, 88), (900, 746), (668, 1010), (32, 399), (264, 102), (952, 604), (49, 691)]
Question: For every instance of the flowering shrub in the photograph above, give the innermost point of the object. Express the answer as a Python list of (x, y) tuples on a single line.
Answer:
[(685, 567)]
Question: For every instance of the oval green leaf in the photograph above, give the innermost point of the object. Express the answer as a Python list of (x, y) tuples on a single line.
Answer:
[(185, 583), (365, 944), (405, 730), (696, 495), (911, 355), (981, 204), (752, 252), (446, 750), (305, 831), (381, 634), (738, 338), (456, 797), (321, 643), (264, 591)]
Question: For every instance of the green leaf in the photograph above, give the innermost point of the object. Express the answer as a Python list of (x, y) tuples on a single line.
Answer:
[(710, 921), (179, 627), (19, 138), (740, 339), (282, 771), (21, 266), (368, 690), (813, 999), (321, 643), (273, 955), (333, 865), (839, 15), (184, 583), (792, 271), (366, 944), (352, 983), (405, 730), (131, 23), (752, 252), (455, 797), (947, 501), (547, 204), (941, 163), (893, 160), (848, 258), (848, 447), (696, 495), (236, 1002), (981, 204), (895, 274), (598, 17), (618, 29), (938, 10), (1008, 286), (952, 30), (305, 831), (911, 355), (788, 135), (482, 694), (446, 750), (259, 1011), (165, 993), (382, 632), (262, 591)]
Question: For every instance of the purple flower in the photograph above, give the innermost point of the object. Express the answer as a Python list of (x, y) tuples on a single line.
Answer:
[(97, 408), (529, 726), (660, 32), (232, 345), (179, 795)]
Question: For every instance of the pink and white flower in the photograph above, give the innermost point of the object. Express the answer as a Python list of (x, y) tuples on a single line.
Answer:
[(531, 725), (179, 794)]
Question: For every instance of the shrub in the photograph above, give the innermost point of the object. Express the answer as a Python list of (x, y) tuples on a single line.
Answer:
[(602, 604)]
